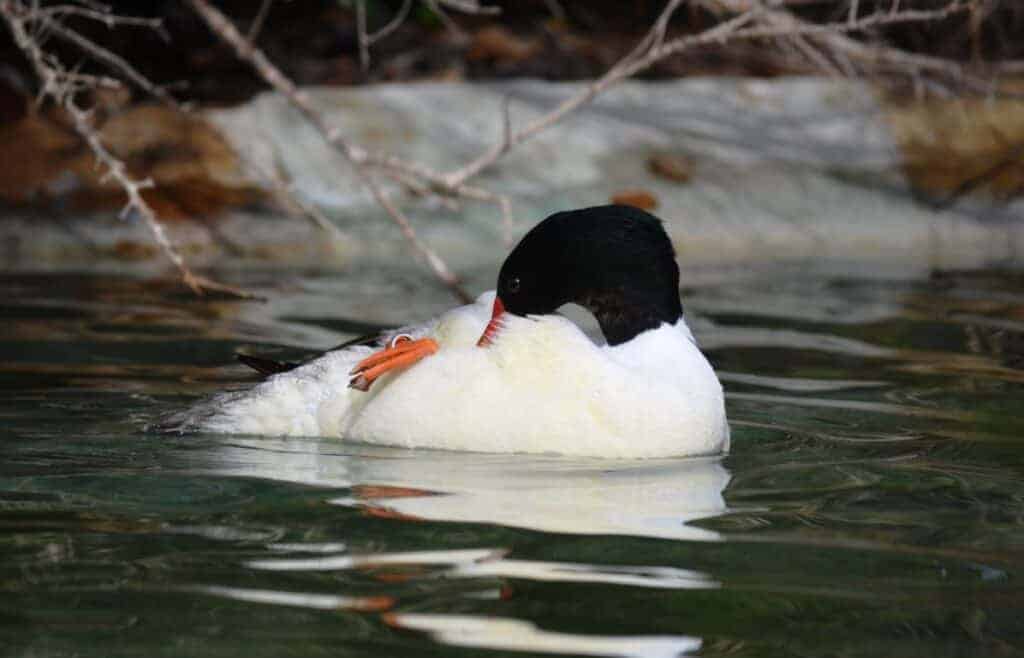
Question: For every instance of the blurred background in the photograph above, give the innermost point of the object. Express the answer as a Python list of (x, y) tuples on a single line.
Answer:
[(184, 180), (864, 130)]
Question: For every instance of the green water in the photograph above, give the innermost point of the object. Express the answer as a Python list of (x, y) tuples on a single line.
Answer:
[(873, 503)]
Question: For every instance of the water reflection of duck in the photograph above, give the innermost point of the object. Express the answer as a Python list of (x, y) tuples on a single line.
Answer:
[(650, 498), (505, 374), (646, 499)]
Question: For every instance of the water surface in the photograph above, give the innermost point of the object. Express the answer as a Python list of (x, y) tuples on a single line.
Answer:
[(873, 503)]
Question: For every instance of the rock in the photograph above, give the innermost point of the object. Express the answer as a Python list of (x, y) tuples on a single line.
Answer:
[(961, 146), (45, 151), (194, 169), (792, 169)]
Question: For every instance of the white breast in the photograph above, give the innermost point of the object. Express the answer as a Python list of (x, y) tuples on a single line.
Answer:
[(541, 387)]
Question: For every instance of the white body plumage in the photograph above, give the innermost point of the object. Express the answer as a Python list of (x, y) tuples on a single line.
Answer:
[(542, 386)]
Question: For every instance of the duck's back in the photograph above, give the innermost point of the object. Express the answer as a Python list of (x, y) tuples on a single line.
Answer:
[(543, 386), (315, 399)]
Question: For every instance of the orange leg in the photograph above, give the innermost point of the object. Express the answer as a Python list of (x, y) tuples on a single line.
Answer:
[(399, 355)]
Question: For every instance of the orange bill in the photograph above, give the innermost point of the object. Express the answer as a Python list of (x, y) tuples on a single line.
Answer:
[(400, 355)]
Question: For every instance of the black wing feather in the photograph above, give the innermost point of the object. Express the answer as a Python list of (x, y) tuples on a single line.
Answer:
[(268, 367)]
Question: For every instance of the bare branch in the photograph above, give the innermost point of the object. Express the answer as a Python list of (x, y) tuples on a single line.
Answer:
[(634, 62), (137, 204), (660, 27), (506, 116), (62, 87), (754, 22), (101, 54), (420, 188), (651, 50), (826, 46), (814, 56), (106, 17), (273, 76)]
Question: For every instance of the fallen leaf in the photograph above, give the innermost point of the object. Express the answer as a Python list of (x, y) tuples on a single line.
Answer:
[(671, 167), (495, 42), (641, 199)]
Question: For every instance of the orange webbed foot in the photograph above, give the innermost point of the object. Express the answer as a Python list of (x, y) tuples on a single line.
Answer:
[(402, 352)]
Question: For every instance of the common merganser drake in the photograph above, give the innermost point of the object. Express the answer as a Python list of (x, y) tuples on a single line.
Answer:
[(506, 374)]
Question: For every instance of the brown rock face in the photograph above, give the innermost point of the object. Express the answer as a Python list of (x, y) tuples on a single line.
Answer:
[(194, 170), (961, 147)]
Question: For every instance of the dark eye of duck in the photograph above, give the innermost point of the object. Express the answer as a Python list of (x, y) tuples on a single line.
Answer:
[(513, 285)]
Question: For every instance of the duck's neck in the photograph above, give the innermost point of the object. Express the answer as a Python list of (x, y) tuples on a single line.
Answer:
[(621, 320)]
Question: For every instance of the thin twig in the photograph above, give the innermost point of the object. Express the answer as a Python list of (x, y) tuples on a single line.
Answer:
[(445, 19), (91, 4), (556, 10), (470, 7), (362, 38), (391, 25), (419, 188), (814, 56), (257, 22), (835, 41)]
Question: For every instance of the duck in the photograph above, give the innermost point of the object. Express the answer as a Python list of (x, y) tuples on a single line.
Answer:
[(507, 373)]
